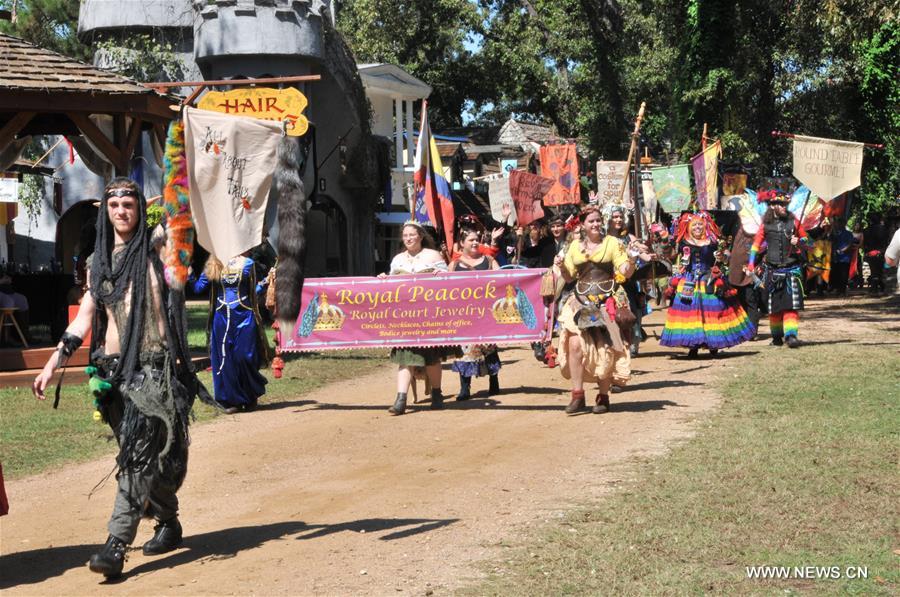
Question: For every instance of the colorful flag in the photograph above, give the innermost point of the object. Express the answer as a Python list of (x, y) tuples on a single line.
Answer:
[(560, 163), (706, 165), (734, 183), (673, 188), (432, 189), (527, 190)]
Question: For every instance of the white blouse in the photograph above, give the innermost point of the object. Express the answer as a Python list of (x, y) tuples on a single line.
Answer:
[(421, 262)]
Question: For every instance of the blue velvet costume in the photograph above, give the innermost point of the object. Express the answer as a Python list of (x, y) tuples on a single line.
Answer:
[(237, 345)]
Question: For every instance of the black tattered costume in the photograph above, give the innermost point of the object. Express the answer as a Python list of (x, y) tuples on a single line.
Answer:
[(152, 384)]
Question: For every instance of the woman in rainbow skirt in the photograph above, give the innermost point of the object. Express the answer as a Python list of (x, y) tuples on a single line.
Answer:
[(705, 312)]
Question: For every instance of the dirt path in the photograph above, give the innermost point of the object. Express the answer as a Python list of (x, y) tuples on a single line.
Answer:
[(331, 495)]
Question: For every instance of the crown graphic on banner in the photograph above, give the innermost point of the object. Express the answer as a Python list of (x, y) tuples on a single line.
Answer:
[(506, 309), (331, 318)]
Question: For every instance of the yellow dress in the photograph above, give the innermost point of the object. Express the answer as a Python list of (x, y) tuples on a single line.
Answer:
[(601, 363)]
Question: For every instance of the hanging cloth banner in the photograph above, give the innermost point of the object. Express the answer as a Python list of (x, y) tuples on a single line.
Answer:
[(527, 190), (734, 183), (499, 196), (706, 170), (230, 164), (672, 185), (610, 176), (560, 163), (649, 194), (827, 166)]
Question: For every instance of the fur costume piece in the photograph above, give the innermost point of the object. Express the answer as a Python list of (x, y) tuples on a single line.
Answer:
[(176, 200), (288, 187)]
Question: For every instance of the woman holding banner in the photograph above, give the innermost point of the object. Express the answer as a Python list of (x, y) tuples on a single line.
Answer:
[(419, 257), (595, 321), (477, 359)]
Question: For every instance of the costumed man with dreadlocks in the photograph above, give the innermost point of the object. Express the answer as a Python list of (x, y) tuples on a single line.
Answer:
[(784, 238), (141, 375)]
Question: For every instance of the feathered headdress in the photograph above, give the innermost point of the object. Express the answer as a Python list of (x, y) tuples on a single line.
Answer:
[(683, 228), (772, 196)]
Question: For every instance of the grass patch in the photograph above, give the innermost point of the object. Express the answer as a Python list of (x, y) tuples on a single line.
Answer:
[(797, 468), (35, 438)]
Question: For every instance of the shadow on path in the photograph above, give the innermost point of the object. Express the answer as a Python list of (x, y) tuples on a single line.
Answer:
[(29, 567)]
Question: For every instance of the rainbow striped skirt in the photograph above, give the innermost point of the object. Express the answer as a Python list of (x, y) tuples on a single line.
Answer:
[(700, 319)]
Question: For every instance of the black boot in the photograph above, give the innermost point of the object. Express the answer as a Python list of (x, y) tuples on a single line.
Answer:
[(494, 385), (110, 560), (437, 399), (166, 538), (465, 387), (399, 404)]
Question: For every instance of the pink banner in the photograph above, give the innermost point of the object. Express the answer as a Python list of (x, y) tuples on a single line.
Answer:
[(495, 307)]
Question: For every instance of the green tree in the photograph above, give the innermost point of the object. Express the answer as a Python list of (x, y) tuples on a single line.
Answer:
[(426, 37), (51, 24)]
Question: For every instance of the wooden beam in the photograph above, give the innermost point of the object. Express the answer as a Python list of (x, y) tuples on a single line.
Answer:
[(161, 134), (134, 136), (106, 147), (144, 105), (13, 126), (189, 100)]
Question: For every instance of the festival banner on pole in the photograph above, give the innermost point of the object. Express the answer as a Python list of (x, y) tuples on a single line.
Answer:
[(501, 200), (673, 187), (610, 177), (734, 183), (230, 164), (827, 166), (488, 307), (649, 194), (706, 170), (527, 191), (560, 164)]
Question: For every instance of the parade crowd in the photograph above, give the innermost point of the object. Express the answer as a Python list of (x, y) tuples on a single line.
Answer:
[(600, 279)]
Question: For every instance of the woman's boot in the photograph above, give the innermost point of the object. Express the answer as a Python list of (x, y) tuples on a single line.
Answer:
[(602, 404), (577, 402), (465, 387), (494, 385), (437, 399), (399, 404)]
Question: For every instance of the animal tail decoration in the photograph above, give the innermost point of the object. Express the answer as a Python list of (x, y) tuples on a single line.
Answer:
[(309, 317), (525, 309), (288, 188), (176, 201)]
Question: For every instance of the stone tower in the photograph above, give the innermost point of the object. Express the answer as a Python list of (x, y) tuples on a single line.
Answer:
[(226, 39)]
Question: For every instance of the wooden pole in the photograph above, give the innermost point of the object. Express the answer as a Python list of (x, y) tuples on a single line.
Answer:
[(634, 138), (792, 135), (703, 138)]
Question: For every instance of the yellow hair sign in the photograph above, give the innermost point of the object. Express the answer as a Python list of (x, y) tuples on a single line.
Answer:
[(264, 103)]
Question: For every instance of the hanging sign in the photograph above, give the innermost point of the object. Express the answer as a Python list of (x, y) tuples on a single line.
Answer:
[(264, 103), (827, 166), (9, 188), (610, 176)]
